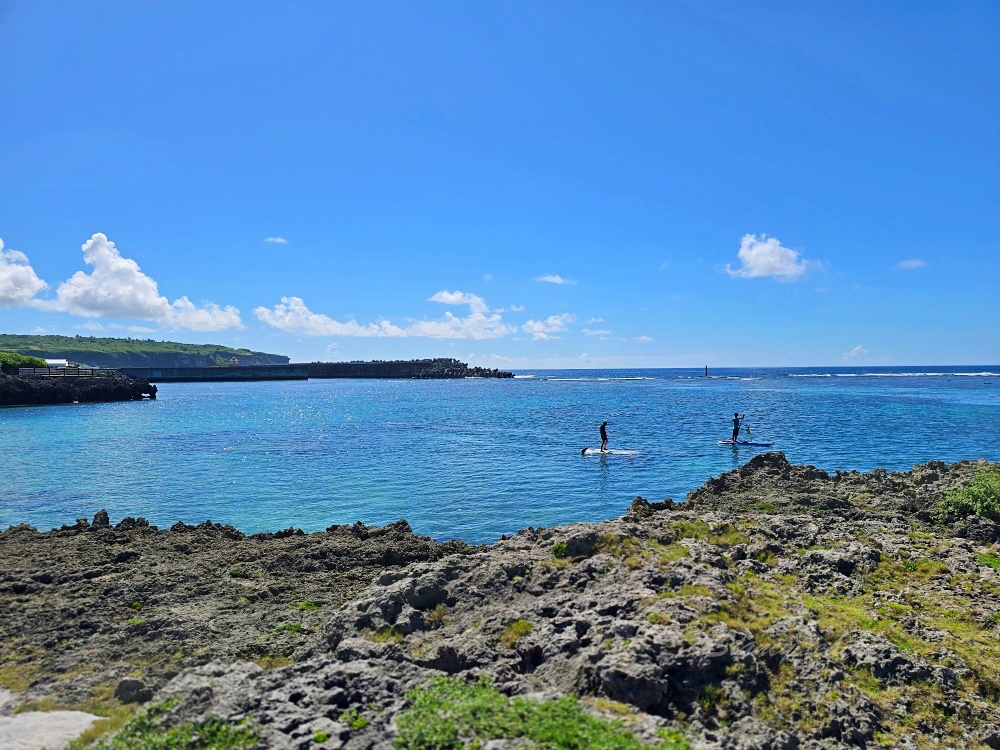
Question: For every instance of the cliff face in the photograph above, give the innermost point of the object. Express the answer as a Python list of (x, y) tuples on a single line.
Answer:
[(22, 391), (780, 607)]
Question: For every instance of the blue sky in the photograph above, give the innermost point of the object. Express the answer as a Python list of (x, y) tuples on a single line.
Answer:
[(557, 184)]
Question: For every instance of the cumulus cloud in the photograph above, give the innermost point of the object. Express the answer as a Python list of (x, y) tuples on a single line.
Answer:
[(517, 308), (597, 332), (276, 240), (18, 281), (293, 316), (476, 304), (911, 264), (765, 256), (552, 278), (858, 351), (543, 329), (117, 288)]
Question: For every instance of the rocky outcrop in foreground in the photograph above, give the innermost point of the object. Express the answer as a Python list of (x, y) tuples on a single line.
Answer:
[(779, 607), (22, 391)]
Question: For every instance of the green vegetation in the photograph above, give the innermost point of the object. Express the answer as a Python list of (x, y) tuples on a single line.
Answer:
[(320, 737), (108, 352), (289, 627), (10, 362), (144, 732), (560, 550), (990, 561), (353, 718), (979, 497), (437, 617), (268, 663), (387, 635), (514, 632), (136, 605), (308, 606), (448, 714), (135, 621)]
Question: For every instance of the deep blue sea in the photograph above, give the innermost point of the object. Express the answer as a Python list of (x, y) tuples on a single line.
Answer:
[(470, 459)]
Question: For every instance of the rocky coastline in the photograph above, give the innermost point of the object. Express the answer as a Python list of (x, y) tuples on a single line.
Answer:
[(28, 390), (778, 607)]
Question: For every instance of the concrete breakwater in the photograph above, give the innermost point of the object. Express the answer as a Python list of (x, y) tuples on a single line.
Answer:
[(440, 368), (779, 607)]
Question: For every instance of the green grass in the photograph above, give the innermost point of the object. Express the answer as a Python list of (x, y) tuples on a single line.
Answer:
[(387, 635), (145, 732), (448, 714), (136, 605), (514, 632), (981, 497), (307, 606), (135, 621), (437, 617), (289, 627), (320, 737), (990, 561)]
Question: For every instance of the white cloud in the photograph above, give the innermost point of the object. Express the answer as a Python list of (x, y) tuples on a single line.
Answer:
[(276, 240), (911, 264), (117, 288), (333, 348), (858, 351), (552, 278), (476, 304), (541, 329), (598, 332), (595, 320), (18, 281), (517, 308), (293, 316), (642, 339), (766, 256)]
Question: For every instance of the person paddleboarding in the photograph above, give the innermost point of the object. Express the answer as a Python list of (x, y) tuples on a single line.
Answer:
[(737, 420), (604, 436)]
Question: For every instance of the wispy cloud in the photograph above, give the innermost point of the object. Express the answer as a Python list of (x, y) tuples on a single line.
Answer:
[(18, 281), (517, 308), (117, 288), (543, 329), (552, 278), (487, 277), (598, 332), (766, 257), (911, 264), (595, 320), (858, 351), (642, 339), (276, 240), (292, 315)]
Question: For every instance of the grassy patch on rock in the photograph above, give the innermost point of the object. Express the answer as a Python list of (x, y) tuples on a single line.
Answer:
[(979, 497), (448, 714)]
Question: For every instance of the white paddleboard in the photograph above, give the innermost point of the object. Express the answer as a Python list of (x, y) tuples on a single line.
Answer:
[(609, 452)]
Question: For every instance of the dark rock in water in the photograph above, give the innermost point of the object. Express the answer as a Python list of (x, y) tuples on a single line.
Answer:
[(132, 691), (111, 386)]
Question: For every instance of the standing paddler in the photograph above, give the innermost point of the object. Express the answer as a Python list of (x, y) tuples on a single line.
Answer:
[(737, 420)]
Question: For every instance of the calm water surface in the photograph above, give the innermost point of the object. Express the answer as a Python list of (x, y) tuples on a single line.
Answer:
[(470, 459)]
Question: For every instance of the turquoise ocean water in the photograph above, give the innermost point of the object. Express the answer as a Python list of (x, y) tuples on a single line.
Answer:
[(470, 459)]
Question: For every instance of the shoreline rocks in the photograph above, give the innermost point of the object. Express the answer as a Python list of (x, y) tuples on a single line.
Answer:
[(779, 607), (30, 390)]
